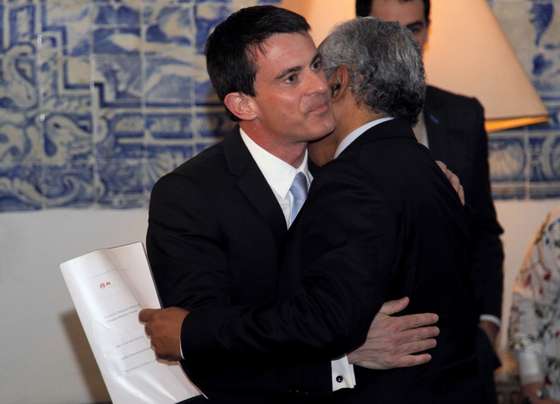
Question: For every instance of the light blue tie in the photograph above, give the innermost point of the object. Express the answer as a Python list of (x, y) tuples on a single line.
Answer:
[(299, 193)]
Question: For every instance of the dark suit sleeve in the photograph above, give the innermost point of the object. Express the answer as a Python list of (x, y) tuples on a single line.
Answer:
[(345, 228), (183, 244), (487, 251)]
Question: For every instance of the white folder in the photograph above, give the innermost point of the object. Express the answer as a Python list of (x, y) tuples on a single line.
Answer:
[(109, 287)]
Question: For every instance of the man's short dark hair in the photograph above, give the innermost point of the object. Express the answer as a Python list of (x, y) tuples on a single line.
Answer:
[(230, 49), (363, 8)]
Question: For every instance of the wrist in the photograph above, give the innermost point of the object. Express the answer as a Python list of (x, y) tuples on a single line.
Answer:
[(351, 358)]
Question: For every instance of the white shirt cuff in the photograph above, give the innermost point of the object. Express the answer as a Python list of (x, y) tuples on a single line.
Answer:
[(491, 318), (342, 374)]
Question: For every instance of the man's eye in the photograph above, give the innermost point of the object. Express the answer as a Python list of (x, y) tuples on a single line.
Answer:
[(415, 30), (317, 65), (292, 78)]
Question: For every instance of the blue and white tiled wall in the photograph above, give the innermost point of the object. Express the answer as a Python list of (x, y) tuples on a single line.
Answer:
[(525, 162), (99, 98)]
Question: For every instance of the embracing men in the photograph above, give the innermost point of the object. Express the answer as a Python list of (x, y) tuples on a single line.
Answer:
[(267, 314)]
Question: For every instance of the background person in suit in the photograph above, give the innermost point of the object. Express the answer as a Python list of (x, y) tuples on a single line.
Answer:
[(218, 223), (452, 127), (371, 230)]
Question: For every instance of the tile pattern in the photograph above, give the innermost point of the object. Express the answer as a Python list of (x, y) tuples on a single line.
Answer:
[(525, 162), (99, 98)]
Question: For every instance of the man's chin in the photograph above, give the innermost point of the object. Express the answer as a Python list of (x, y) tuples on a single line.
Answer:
[(321, 134)]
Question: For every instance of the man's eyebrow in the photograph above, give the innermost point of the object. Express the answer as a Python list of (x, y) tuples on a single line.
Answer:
[(316, 58), (296, 69), (288, 71)]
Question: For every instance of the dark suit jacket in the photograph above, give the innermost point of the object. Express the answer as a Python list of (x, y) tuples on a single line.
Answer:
[(215, 236), (380, 222), (427, 258), (456, 136)]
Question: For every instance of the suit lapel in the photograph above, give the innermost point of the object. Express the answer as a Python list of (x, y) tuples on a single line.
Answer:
[(253, 185), (436, 126)]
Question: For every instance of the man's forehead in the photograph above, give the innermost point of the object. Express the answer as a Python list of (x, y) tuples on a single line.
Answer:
[(283, 47), (280, 41), (403, 11)]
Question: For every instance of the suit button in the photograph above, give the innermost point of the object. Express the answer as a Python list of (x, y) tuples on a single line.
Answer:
[(339, 379)]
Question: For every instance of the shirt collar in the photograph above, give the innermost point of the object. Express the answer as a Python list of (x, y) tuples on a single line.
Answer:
[(278, 174), (356, 133)]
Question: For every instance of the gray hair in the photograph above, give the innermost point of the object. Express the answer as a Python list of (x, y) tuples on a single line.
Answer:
[(384, 63)]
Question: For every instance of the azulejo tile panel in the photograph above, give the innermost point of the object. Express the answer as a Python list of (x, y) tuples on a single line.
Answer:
[(121, 183), (545, 17), (544, 148), (508, 164), (119, 134), (114, 12), (19, 187), (18, 87), (533, 28), (69, 185), (99, 98)]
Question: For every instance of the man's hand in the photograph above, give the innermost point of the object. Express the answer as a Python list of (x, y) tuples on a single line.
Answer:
[(454, 180), (163, 327), (393, 342)]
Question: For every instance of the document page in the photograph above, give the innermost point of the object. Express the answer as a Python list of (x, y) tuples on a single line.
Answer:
[(109, 287)]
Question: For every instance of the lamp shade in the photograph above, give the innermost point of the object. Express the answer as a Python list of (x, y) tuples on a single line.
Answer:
[(467, 53)]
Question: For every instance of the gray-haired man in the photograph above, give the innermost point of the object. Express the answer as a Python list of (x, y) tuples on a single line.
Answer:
[(383, 201)]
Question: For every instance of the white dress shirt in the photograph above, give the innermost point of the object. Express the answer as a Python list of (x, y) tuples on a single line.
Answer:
[(356, 133), (279, 175)]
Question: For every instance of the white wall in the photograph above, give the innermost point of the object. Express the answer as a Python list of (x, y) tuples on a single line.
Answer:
[(44, 357)]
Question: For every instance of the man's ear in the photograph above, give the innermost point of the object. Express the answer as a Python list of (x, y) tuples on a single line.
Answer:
[(241, 105), (338, 83)]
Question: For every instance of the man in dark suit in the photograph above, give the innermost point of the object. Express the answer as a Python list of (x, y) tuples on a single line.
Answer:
[(452, 127), (390, 187), (218, 223), (373, 228)]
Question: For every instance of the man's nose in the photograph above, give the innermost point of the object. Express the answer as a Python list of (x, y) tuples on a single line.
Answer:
[(318, 82)]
